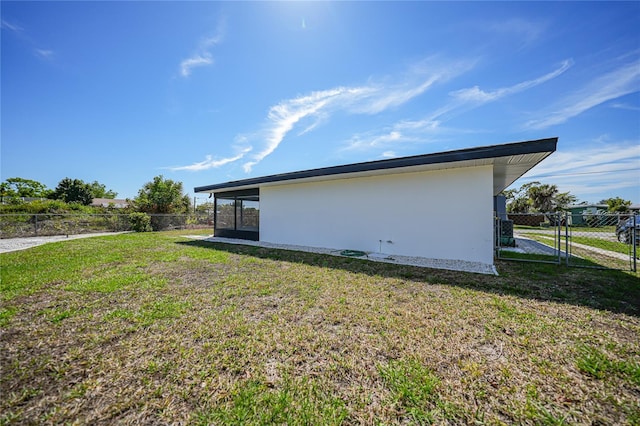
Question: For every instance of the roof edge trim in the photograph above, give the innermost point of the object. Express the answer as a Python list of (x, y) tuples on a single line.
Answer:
[(484, 152)]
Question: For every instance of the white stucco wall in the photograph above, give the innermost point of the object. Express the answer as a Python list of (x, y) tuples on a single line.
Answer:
[(446, 214)]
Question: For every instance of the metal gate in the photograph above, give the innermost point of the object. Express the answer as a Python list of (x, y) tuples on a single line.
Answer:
[(592, 240)]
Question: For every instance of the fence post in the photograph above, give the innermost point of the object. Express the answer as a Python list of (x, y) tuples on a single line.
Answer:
[(496, 236), (566, 240), (36, 224), (634, 242), (559, 233)]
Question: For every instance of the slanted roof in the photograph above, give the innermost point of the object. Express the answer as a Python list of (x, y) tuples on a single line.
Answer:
[(585, 206), (106, 202), (510, 161)]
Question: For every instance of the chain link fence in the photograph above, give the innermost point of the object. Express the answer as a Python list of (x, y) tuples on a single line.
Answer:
[(603, 240), (35, 225), (529, 237), (585, 240)]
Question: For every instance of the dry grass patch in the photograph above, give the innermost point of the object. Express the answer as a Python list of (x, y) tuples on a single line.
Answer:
[(152, 328)]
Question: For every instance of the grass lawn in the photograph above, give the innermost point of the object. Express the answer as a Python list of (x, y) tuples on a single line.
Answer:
[(608, 229), (603, 244), (584, 256), (614, 246), (155, 328)]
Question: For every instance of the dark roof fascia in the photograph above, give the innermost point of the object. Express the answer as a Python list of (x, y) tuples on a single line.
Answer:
[(242, 193), (485, 152)]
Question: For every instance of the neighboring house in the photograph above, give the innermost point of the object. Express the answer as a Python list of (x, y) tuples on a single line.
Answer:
[(5, 200), (579, 213), (109, 202), (595, 214), (408, 206)]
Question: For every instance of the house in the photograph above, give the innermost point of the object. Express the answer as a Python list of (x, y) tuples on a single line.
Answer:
[(434, 206), (580, 213), (109, 202)]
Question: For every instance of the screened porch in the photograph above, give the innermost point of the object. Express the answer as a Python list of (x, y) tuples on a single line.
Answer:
[(237, 214)]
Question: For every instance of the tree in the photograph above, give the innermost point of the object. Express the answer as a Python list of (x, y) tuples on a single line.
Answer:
[(538, 197), (73, 191), (518, 200), (162, 196), (519, 205), (99, 190), (562, 200), (617, 205), (541, 197), (20, 187), (207, 207)]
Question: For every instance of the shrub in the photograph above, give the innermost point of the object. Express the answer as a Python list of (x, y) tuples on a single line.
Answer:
[(46, 206), (81, 208), (14, 200), (140, 222), (161, 222)]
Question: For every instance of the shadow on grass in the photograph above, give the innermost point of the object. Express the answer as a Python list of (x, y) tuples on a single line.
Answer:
[(611, 290)]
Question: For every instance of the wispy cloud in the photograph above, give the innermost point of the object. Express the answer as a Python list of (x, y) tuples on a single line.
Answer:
[(381, 99), (21, 34), (44, 53), (590, 159), (210, 162), (379, 139), (309, 111), (10, 26), (195, 61), (285, 115), (475, 95), (460, 101), (203, 55), (615, 84), (620, 105), (591, 169), (372, 98)]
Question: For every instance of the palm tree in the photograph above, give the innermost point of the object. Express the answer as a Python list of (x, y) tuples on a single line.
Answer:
[(542, 197)]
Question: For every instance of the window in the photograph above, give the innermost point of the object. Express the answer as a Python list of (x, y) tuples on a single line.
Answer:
[(247, 215), (238, 214), (225, 211)]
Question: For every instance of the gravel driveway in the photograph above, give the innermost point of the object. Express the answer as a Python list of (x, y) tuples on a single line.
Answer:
[(14, 244)]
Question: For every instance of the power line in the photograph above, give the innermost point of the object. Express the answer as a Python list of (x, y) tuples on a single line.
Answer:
[(581, 173)]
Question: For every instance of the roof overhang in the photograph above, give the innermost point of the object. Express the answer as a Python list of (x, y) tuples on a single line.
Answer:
[(510, 161)]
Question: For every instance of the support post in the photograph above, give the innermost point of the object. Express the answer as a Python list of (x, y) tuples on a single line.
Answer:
[(634, 242), (566, 242), (215, 215), (559, 233)]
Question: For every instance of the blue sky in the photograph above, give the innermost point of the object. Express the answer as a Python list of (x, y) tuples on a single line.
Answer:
[(205, 92)]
